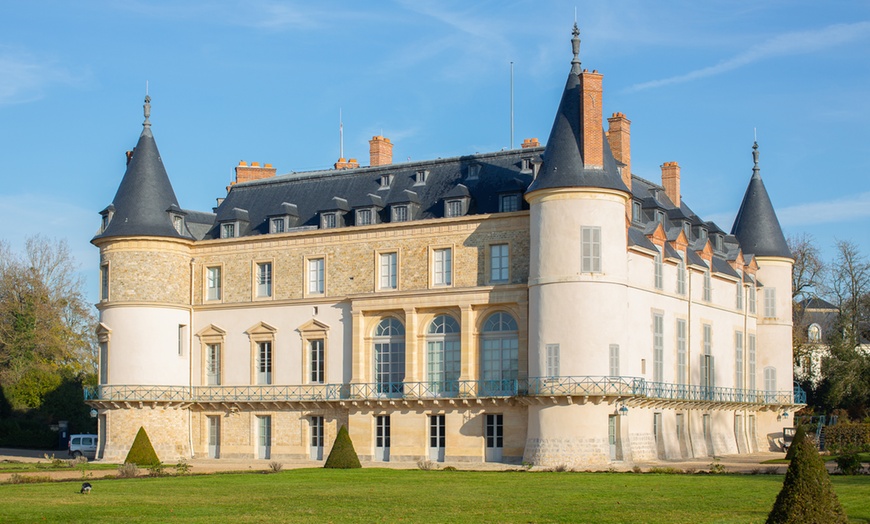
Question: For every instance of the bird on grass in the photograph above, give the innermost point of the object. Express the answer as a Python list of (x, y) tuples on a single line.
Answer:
[(86, 488)]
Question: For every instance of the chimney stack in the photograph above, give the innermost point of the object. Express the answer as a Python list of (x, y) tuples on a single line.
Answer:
[(246, 173), (531, 142), (380, 151), (591, 117), (343, 163), (671, 181), (619, 138)]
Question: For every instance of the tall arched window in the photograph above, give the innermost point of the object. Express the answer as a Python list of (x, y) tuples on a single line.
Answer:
[(499, 361), (389, 352), (443, 355)]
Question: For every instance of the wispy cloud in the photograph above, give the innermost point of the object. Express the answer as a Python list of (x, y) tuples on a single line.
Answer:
[(794, 43), (845, 209), (25, 78)]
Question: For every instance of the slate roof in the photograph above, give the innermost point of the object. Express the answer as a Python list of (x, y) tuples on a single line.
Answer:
[(145, 196), (756, 225)]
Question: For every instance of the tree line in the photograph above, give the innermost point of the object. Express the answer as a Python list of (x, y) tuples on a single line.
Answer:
[(47, 343), (832, 321)]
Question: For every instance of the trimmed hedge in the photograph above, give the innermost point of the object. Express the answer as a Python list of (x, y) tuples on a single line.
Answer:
[(806, 495), (799, 436), (847, 437), (342, 456), (142, 452)]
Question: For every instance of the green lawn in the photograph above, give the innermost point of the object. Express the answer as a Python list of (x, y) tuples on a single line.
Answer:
[(23, 467), (383, 495)]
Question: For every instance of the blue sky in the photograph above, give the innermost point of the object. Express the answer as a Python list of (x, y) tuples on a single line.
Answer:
[(264, 81)]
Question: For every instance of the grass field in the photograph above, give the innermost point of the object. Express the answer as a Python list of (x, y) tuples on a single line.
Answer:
[(384, 495)]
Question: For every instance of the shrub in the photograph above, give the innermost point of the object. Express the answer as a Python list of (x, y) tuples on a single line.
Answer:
[(427, 465), (451, 468), (847, 436), (142, 452), (182, 467), (156, 470), (848, 462), (799, 436), (342, 455), (128, 470), (806, 494), (637, 469), (275, 467), (716, 467), (15, 478)]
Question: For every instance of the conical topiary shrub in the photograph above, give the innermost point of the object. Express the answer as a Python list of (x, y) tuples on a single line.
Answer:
[(799, 436), (806, 494), (342, 456), (142, 452)]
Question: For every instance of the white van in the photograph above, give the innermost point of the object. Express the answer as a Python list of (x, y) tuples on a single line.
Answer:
[(83, 445)]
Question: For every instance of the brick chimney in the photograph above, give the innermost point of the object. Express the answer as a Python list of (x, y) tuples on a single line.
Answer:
[(671, 181), (246, 173), (619, 138), (343, 163), (531, 142), (591, 118), (380, 151)]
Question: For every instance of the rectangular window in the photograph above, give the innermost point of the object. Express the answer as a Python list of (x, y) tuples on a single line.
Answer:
[(213, 283), (752, 299), (708, 287), (552, 360), (178, 222), (317, 363), (494, 434), (590, 250), (104, 362), (454, 208), (315, 276), (687, 230), (681, 351), (442, 267), (328, 220), (660, 217), (437, 437), (264, 279), (316, 429), (278, 225), (264, 363), (228, 230), (104, 282), (659, 271), (707, 370), (508, 203), (740, 296), (182, 339), (708, 339), (364, 217), (213, 364), (769, 384), (751, 366), (770, 302), (387, 270), (400, 213), (614, 360), (636, 212), (681, 277), (738, 359), (264, 436), (658, 347), (499, 266), (382, 438)]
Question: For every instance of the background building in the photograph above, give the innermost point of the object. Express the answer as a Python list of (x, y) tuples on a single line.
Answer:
[(538, 304)]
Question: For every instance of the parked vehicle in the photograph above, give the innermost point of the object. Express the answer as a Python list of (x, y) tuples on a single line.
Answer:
[(787, 437), (82, 445)]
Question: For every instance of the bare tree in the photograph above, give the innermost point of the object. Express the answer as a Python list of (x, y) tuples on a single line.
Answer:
[(808, 268)]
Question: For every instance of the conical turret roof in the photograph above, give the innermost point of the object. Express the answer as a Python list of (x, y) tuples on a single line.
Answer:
[(145, 196), (756, 226), (563, 164)]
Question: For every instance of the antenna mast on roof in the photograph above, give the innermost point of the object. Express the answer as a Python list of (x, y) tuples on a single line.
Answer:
[(512, 105), (340, 135)]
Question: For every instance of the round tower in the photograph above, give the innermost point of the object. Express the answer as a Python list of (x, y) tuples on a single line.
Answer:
[(145, 315), (577, 277)]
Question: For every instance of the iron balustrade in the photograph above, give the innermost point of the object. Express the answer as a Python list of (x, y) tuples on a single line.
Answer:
[(534, 386)]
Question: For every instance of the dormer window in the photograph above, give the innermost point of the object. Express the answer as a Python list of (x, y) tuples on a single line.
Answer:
[(386, 180), (717, 242), (277, 225), (526, 164), (400, 213), (106, 217), (420, 177), (508, 203), (636, 212), (453, 208), (228, 230), (327, 220), (178, 223), (104, 223), (363, 217), (702, 234), (687, 230), (473, 171), (660, 217)]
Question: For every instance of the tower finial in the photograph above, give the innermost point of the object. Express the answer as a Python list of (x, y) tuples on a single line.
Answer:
[(146, 124), (755, 168), (575, 45)]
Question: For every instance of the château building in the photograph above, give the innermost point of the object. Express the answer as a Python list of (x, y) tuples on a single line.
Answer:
[(541, 304)]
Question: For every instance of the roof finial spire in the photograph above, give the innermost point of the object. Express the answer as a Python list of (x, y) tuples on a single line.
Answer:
[(575, 44), (755, 168), (147, 107)]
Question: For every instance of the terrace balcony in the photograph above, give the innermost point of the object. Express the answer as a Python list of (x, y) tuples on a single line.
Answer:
[(632, 391)]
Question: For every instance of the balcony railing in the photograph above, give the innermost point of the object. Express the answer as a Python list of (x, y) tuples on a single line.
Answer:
[(533, 387)]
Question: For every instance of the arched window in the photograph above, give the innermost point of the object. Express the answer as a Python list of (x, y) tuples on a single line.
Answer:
[(443, 355), (499, 361), (389, 352)]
